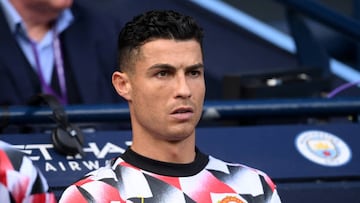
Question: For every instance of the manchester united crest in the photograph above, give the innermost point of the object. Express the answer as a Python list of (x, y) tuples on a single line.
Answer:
[(227, 198)]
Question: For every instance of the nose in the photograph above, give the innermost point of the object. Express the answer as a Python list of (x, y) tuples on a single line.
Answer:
[(182, 87)]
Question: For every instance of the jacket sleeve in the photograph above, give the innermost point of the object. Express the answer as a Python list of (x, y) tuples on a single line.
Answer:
[(20, 179)]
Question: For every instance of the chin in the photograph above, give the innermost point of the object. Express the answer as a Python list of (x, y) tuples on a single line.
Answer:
[(64, 4), (182, 133)]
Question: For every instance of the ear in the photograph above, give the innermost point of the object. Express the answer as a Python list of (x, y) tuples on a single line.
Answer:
[(122, 84)]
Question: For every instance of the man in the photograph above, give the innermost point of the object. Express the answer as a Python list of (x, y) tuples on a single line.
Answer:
[(162, 77), (59, 47), (20, 180)]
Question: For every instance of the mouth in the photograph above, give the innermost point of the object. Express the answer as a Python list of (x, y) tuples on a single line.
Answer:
[(183, 110), (183, 113)]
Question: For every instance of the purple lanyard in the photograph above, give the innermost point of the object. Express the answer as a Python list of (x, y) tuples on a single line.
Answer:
[(59, 66)]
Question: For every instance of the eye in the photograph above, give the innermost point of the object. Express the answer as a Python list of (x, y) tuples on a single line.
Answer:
[(162, 74), (194, 73)]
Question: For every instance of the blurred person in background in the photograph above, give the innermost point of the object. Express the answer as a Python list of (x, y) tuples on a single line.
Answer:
[(66, 48)]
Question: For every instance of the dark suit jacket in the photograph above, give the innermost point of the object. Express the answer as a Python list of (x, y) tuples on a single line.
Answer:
[(89, 50)]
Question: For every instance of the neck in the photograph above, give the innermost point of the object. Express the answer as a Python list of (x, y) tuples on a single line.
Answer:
[(173, 152), (37, 31)]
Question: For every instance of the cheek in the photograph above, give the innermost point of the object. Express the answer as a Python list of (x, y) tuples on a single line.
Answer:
[(198, 89), (149, 96), (150, 107)]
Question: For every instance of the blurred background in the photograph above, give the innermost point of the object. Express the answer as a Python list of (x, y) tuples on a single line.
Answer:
[(268, 39), (274, 69)]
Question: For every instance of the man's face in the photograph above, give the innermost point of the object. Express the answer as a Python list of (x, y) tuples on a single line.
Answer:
[(167, 89)]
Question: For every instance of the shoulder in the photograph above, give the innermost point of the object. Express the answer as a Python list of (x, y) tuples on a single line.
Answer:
[(92, 185), (244, 179), (103, 173), (240, 171)]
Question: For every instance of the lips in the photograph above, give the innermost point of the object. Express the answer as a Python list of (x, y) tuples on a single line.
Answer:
[(183, 113), (183, 110)]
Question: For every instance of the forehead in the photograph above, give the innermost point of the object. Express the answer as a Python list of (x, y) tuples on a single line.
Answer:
[(168, 50)]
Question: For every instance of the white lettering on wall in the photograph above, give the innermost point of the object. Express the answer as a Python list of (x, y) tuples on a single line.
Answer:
[(71, 166), (91, 165), (38, 151)]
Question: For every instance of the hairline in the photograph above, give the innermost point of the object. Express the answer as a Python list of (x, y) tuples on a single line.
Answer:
[(135, 53)]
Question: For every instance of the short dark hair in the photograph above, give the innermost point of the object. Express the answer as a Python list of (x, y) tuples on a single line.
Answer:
[(155, 24)]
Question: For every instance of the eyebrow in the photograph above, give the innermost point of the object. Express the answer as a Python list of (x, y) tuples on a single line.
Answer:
[(196, 66), (168, 66)]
